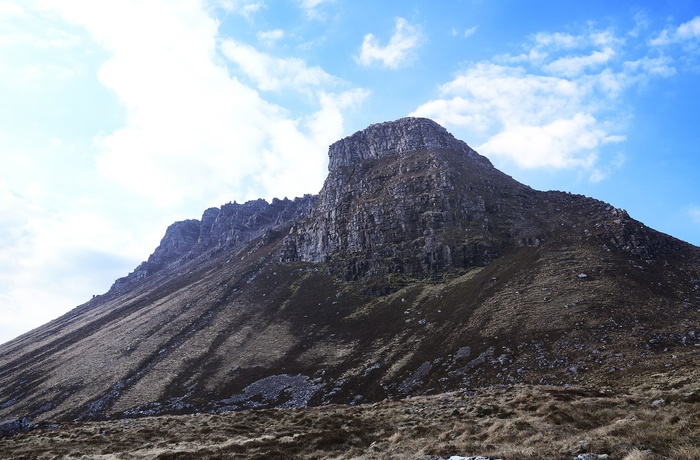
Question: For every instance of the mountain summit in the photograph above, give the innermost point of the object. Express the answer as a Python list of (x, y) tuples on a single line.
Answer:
[(419, 268)]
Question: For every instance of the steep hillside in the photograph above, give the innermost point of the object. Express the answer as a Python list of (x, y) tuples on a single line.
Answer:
[(418, 269)]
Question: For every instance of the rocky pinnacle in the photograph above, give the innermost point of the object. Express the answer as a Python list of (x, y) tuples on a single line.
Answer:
[(394, 137)]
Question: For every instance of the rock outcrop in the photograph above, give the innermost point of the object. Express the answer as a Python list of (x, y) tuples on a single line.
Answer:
[(230, 227), (393, 138), (406, 198)]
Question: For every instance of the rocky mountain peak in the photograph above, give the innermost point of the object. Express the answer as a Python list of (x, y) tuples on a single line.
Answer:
[(394, 137), (405, 197), (419, 268)]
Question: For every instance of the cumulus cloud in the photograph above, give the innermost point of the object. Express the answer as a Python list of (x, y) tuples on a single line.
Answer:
[(194, 132), (397, 52), (549, 106), (561, 143)]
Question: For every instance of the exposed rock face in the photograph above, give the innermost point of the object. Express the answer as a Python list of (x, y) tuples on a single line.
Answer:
[(405, 197), (475, 279), (231, 227), (178, 241), (393, 138)]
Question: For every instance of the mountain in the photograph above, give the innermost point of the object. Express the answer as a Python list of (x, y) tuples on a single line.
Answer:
[(418, 269)]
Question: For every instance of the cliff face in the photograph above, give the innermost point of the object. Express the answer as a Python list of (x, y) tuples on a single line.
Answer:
[(229, 228), (407, 198), (419, 268), (404, 198)]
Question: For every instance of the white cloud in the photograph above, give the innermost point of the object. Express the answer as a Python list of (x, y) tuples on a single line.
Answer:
[(311, 7), (562, 143), (641, 23), (21, 36), (397, 52), (270, 37), (557, 40), (283, 167), (49, 38), (273, 74), (639, 69), (194, 133), (602, 172), (688, 30), (245, 8), (685, 32), (310, 4), (504, 95), (470, 31), (8, 10), (549, 107), (572, 66), (466, 33)]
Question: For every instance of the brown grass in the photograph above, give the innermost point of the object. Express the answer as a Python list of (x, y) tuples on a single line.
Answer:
[(515, 423)]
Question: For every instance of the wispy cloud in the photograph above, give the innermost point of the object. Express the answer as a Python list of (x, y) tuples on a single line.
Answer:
[(311, 8), (572, 66), (270, 37), (465, 33), (551, 105), (397, 52), (602, 172), (246, 8), (470, 31), (684, 33)]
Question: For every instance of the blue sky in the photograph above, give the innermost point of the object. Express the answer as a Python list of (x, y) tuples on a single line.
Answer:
[(118, 118)]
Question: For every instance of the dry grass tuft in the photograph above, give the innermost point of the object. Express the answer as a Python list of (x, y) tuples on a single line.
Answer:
[(636, 454)]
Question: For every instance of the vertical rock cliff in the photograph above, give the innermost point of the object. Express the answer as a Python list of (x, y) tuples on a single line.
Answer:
[(406, 197), (229, 228)]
